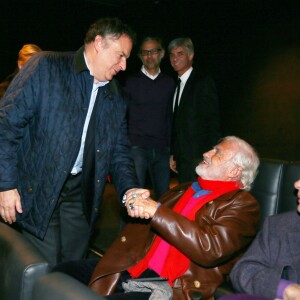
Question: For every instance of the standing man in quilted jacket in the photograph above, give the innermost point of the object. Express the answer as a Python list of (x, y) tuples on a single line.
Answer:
[(62, 131)]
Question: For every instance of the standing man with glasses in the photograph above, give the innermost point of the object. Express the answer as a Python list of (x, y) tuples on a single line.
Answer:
[(150, 93), (195, 126), (63, 129)]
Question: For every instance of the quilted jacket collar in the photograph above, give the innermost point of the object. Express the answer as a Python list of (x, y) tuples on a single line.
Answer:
[(79, 62)]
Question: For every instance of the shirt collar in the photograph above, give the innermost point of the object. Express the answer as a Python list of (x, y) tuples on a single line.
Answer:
[(85, 60), (148, 74), (186, 75)]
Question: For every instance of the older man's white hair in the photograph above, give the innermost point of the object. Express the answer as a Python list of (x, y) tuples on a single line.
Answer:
[(247, 159)]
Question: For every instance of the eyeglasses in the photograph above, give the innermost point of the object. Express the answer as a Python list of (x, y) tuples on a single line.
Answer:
[(150, 52)]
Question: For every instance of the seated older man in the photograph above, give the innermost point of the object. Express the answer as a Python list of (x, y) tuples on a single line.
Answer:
[(191, 239)]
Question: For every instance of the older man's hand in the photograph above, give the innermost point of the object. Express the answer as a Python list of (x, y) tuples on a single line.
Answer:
[(138, 207), (136, 191)]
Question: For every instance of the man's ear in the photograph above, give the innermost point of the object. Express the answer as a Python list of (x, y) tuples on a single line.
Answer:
[(99, 42), (235, 172), (162, 54)]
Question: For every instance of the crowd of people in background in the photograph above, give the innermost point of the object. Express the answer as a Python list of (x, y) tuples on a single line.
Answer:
[(66, 125)]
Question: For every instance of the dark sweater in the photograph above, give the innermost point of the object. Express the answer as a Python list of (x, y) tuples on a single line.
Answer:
[(150, 110)]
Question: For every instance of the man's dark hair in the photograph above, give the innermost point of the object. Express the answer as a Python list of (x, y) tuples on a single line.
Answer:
[(109, 27)]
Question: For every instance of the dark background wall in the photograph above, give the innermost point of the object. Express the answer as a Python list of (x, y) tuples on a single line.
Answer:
[(250, 47)]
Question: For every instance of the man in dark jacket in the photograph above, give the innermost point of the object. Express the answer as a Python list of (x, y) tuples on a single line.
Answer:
[(196, 112), (62, 131)]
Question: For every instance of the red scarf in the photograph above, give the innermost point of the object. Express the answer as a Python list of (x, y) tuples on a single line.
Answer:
[(176, 263)]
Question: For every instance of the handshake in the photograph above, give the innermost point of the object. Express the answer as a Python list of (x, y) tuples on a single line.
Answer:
[(139, 204)]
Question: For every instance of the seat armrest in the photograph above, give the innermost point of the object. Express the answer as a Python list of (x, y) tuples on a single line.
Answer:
[(21, 265), (195, 295), (60, 286), (224, 289)]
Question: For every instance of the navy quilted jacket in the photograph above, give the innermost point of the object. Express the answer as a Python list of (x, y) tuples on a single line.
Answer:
[(41, 121)]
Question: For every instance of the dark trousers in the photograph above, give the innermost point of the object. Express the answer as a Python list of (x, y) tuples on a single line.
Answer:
[(67, 235), (156, 161), (186, 169), (82, 270)]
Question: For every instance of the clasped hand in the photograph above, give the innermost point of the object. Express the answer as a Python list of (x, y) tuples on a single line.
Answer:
[(140, 205)]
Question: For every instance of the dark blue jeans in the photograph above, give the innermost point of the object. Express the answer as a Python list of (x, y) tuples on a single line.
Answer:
[(156, 162), (187, 169)]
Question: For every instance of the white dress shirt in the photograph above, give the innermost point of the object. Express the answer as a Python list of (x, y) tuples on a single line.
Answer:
[(183, 79), (148, 74), (77, 168)]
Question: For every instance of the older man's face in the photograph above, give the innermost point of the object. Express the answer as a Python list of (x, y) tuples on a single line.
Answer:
[(297, 186), (217, 162)]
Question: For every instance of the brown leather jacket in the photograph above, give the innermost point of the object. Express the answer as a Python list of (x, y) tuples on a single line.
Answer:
[(220, 233)]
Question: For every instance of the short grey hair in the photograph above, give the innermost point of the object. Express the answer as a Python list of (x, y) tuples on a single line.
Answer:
[(246, 158), (184, 42)]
